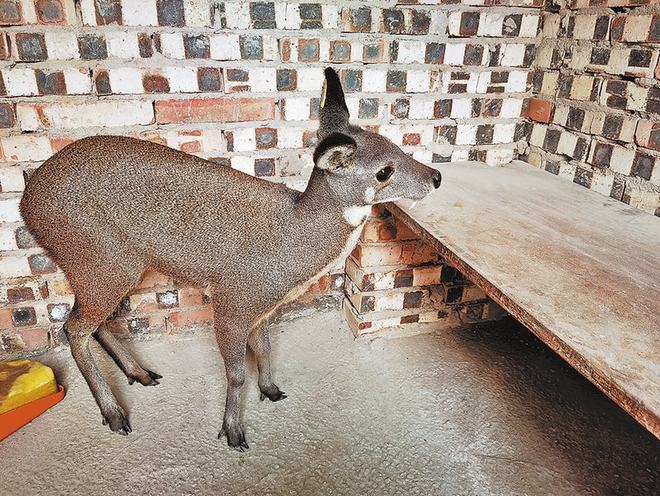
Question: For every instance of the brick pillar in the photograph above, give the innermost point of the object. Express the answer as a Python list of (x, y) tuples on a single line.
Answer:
[(395, 282)]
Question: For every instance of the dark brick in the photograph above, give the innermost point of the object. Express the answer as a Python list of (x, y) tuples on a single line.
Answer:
[(564, 85), (435, 53), (7, 115), (16, 295), (583, 177), (454, 294), (409, 319), (528, 57), (311, 16), (492, 107), (41, 264), (448, 133), (612, 126), (222, 161), (653, 100), (403, 278), (155, 83), (170, 13), (314, 104), (24, 317), (266, 137), (145, 45), (396, 81), (442, 108), (50, 83), (469, 24), (24, 239), (618, 189), (551, 140), (400, 108), (49, 11), (238, 75), (264, 167), (196, 46), (287, 79), (640, 58), (485, 134), (251, 47), (654, 31), (31, 47), (413, 299), (616, 29), (394, 51), (372, 52), (102, 83), (497, 77), (522, 131), (393, 21), (368, 108), (421, 21), (440, 159), (340, 51), (602, 155), (92, 47), (308, 50), (108, 12), (580, 148), (552, 167), (494, 59), (575, 118), (643, 165), (600, 56), (511, 25), (351, 80), (262, 15), (10, 13), (477, 104), (473, 54), (138, 326), (361, 19), (474, 312), (602, 24), (209, 79), (367, 304)]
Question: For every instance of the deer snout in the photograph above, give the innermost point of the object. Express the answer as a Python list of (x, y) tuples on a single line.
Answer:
[(437, 179)]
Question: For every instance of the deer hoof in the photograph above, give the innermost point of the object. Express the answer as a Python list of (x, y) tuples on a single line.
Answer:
[(149, 378), (118, 422), (273, 395), (235, 438)]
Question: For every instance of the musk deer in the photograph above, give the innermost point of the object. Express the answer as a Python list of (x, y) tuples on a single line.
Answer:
[(106, 208)]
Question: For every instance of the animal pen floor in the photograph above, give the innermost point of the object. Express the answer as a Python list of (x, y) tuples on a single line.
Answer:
[(481, 410)]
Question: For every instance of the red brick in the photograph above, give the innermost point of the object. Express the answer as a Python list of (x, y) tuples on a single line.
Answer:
[(189, 318), (540, 110), (214, 110)]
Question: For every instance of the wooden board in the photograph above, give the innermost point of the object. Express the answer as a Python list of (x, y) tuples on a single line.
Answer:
[(580, 270)]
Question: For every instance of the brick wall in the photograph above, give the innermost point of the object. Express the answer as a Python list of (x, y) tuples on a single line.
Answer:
[(238, 83), (597, 108)]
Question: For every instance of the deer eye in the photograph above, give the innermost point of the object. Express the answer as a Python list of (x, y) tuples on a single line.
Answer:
[(384, 174)]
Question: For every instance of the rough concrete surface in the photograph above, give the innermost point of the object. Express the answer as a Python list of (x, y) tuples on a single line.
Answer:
[(483, 410)]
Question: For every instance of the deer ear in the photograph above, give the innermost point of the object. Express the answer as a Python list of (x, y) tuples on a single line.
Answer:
[(334, 152), (333, 112)]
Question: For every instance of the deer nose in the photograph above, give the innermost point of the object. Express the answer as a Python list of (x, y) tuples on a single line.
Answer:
[(437, 179)]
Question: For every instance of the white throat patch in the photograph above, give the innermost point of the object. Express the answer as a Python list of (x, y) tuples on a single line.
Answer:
[(355, 215)]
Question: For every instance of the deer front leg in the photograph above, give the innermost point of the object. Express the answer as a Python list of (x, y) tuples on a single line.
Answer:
[(231, 334), (259, 343)]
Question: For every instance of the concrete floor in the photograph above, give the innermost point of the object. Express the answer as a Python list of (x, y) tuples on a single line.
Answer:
[(485, 410)]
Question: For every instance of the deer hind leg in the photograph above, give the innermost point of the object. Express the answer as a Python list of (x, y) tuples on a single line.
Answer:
[(124, 360), (259, 343), (99, 282)]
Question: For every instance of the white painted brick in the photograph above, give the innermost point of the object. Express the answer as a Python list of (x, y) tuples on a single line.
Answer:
[(491, 24), (566, 170), (411, 52), (11, 179), (244, 139), (330, 16), (460, 155), (290, 138), (454, 53), (517, 82), (212, 140), (106, 113), (197, 13), (7, 238), (602, 183), (637, 27), (27, 117), (324, 49), (182, 79), (297, 109), (418, 81), (139, 13), (529, 26), (353, 104), (243, 164), (237, 15), (567, 143), (584, 26), (310, 79), (263, 79), (461, 108), (503, 133), (14, 267), (537, 136), (87, 10), (424, 156), (374, 80), (225, 47), (61, 45), (622, 159), (482, 82), (172, 45), (78, 81), (356, 50), (454, 23), (26, 148), (511, 108), (512, 54), (466, 134), (499, 156), (9, 211), (20, 82), (290, 19), (126, 80), (420, 109), (122, 44)]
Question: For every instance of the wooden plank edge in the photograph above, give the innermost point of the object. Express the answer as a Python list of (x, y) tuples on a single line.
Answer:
[(646, 417)]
